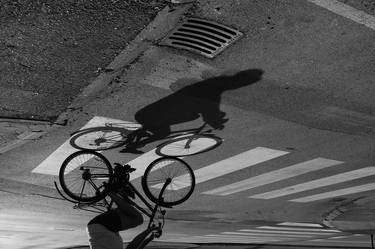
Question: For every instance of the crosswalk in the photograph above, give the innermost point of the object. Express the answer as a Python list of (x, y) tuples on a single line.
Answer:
[(303, 192), (300, 169), (276, 233), (274, 176)]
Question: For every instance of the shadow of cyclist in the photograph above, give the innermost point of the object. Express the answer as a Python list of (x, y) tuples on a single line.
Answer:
[(190, 102)]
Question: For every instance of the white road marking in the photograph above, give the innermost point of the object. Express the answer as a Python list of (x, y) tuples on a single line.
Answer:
[(271, 235), (299, 224), (233, 238), (278, 231), (347, 11), (300, 229), (51, 165), (339, 178), (340, 241), (330, 194), (274, 176), (244, 160), (141, 163)]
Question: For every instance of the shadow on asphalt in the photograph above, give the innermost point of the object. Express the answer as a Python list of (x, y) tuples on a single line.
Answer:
[(201, 99)]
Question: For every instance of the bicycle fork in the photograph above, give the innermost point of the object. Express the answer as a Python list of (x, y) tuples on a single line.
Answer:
[(160, 198)]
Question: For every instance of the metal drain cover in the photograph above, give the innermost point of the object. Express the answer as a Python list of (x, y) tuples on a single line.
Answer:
[(201, 36)]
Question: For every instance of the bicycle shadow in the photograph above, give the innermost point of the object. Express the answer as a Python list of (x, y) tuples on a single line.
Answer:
[(201, 99)]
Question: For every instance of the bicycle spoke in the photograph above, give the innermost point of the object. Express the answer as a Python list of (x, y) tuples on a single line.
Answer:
[(83, 186), (181, 185), (83, 167)]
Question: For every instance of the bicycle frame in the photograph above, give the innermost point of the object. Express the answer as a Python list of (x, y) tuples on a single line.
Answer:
[(151, 212), (172, 134), (152, 209)]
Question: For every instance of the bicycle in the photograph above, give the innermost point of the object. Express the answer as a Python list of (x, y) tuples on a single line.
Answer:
[(167, 181), (182, 143)]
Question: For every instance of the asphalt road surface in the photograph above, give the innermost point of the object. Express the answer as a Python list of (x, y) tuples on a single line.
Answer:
[(298, 142)]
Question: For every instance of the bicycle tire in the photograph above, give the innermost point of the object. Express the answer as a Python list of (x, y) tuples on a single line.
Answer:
[(85, 164), (199, 144), (178, 191), (99, 138)]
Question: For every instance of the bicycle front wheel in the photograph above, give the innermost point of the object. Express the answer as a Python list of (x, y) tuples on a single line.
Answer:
[(168, 168), (83, 175), (189, 145), (99, 138)]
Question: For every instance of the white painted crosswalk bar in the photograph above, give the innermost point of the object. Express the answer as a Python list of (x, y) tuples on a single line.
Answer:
[(277, 231), (274, 235), (234, 237), (243, 160), (326, 181), (347, 11), (274, 176), (202, 239), (340, 192), (140, 163), (52, 164), (299, 224), (300, 229)]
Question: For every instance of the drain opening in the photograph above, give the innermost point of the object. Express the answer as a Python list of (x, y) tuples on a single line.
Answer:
[(201, 36), (193, 41), (198, 38), (216, 32)]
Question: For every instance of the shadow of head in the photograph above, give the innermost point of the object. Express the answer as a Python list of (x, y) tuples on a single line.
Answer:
[(242, 78)]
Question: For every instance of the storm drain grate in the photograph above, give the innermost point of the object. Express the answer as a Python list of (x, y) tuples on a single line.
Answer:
[(201, 36)]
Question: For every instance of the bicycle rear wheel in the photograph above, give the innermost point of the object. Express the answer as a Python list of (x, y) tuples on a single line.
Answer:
[(100, 138), (83, 175), (189, 145), (181, 176)]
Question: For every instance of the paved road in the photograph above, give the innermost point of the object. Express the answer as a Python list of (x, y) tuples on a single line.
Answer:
[(299, 141)]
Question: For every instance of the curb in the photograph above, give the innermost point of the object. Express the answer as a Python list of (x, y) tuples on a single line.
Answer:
[(335, 218), (162, 24), (16, 132)]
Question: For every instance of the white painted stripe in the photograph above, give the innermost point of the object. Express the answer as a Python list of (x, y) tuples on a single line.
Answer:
[(274, 176), (299, 224), (347, 11), (330, 194), (214, 239), (339, 178), (269, 234), (281, 232), (219, 236), (203, 240), (51, 165), (340, 241), (300, 229), (244, 160), (340, 237), (140, 163)]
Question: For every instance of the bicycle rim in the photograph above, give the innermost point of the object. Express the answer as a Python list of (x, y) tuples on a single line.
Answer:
[(182, 181), (100, 138), (178, 147), (83, 174)]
